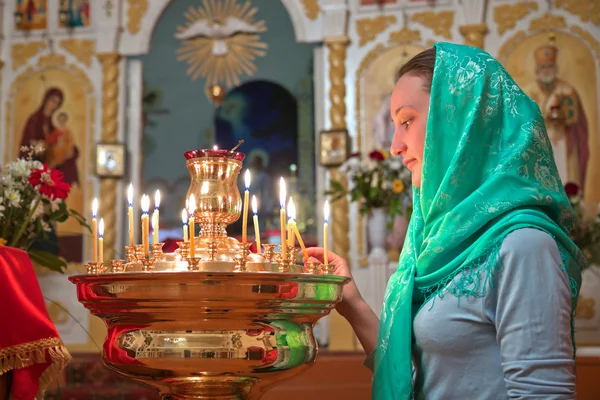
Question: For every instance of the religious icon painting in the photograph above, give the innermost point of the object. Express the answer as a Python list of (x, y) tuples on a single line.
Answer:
[(54, 108), (74, 13), (31, 15), (334, 146)]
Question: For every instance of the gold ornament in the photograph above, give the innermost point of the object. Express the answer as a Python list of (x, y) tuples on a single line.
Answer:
[(474, 34), (22, 52), (311, 8), (588, 11), (405, 36), (368, 28), (82, 49), (589, 38), (135, 13), (507, 15), (216, 93), (221, 41), (440, 22), (110, 129), (547, 22)]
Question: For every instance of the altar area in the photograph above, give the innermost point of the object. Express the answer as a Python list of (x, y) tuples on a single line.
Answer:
[(305, 84)]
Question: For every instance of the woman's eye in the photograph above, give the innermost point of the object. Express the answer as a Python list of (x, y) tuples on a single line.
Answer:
[(406, 123)]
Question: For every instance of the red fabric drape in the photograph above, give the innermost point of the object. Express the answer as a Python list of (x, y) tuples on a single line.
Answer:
[(29, 342)]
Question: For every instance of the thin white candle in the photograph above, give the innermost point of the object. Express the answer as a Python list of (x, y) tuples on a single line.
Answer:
[(256, 226), (130, 212), (94, 230), (184, 221), (245, 209), (282, 196), (291, 213), (326, 233), (155, 215), (101, 240), (145, 227)]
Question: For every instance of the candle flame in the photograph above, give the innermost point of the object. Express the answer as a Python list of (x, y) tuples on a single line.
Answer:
[(254, 205), (184, 216), (191, 205), (94, 207), (101, 227), (326, 211), (247, 179), (157, 199), (282, 192), (145, 203), (215, 147), (291, 210), (130, 194)]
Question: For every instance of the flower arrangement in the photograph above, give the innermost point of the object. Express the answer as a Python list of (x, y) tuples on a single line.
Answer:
[(586, 232), (379, 182), (32, 200)]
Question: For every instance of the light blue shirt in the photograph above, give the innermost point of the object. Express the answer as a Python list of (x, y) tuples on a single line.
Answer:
[(512, 343)]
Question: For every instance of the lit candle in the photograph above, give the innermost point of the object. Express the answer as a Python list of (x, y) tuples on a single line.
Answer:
[(291, 213), (155, 224), (130, 212), (245, 210), (184, 221), (326, 233), (191, 210), (94, 230), (101, 240), (154, 227), (145, 226), (215, 147), (282, 217), (256, 226)]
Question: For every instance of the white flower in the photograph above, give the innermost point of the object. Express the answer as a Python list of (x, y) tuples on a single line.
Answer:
[(13, 197), (19, 169), (54, 204), (38, 212), (46, 226), (2, 208)]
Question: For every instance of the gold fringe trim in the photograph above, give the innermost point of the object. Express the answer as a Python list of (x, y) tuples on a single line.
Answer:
[(27, 354)]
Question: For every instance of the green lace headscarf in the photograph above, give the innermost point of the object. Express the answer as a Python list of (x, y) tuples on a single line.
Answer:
[(488, 169)]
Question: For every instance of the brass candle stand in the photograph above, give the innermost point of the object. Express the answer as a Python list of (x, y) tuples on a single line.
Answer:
[(225, 324)]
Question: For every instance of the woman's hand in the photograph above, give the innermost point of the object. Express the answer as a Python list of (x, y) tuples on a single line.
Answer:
[(351, 295)]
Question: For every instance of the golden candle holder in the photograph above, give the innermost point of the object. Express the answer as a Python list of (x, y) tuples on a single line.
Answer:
[(95, 267), (130, 254), (193, 264), (184, 249), (312, 267), (157, 251), (327, 269), (269, 252), (226, 324), (117, 266)]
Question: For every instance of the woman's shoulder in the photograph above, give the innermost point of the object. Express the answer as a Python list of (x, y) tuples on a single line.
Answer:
[(528, 240)]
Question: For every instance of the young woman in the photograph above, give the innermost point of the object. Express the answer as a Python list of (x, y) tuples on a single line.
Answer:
[(482, 302)]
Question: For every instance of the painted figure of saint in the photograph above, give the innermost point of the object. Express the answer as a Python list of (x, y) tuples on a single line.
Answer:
[(565, 118)]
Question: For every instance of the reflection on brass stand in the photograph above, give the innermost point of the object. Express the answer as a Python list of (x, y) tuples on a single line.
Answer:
[(269, 252), (116, 266), (95, 267)]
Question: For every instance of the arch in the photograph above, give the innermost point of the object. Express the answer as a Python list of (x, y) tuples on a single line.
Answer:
[(139, 43)]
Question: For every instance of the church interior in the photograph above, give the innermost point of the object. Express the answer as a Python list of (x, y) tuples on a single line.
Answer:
[(117, 91)]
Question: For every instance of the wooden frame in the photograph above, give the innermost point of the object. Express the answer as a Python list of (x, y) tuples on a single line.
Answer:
[(110, 160), (334, 147)]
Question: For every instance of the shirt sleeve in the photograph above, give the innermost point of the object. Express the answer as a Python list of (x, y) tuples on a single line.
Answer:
[(531, 309)]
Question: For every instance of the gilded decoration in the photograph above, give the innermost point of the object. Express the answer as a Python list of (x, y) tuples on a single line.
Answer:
[(82, 49), (368, 28), (507, 15), (404, 36), (136, 9), (110, 130), (337, 116), (440, 22), (225, 50), (22, 52), (474, 34), (588, 11), (311, 9), (589, 38), (547, 22)]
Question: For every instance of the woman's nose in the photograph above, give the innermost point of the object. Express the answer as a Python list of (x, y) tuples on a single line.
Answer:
[(398, 146)]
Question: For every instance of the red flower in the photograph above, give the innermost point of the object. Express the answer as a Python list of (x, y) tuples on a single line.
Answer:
[(376, 155), (572, 189), (49, 182)]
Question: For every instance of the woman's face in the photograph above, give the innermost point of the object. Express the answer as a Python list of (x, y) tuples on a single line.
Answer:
[(409, 108), (51, 105)]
